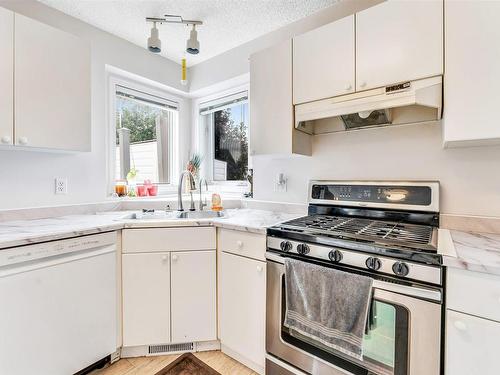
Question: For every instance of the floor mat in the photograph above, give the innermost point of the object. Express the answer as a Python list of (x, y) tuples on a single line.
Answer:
[(187, 364)]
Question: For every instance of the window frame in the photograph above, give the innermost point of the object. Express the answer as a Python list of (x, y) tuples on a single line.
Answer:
[(239, 186), (116, 80)]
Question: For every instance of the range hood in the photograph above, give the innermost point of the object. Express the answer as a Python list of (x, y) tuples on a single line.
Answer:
[(402, 103)]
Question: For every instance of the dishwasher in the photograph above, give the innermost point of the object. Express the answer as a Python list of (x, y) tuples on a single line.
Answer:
[(58, 305)]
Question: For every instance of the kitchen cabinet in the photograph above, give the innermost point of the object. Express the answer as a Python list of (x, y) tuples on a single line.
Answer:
[(271, 108), (471, 73), (471, 345), (472, 322), (146, 298), (242, 296), (193, 296), (51, 87), (323, 62), (242, 310), (399, 41), (169, 286), (6, 77)]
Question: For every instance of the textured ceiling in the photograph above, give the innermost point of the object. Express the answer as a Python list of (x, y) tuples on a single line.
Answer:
[(227, 23)]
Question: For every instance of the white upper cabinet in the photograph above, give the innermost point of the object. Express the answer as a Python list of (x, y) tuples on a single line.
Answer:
[(271, 108), (193, 291), (6, 77), (52, 87), (399, 41), (472, 75), (323, 62)]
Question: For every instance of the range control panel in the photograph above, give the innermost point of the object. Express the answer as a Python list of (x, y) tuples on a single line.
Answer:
[(410, 195)]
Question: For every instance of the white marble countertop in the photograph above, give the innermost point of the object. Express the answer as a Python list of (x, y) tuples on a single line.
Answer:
[(472, 251), (24, 232)]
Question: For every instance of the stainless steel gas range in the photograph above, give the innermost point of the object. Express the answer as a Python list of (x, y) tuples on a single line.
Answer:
[(384, 230)]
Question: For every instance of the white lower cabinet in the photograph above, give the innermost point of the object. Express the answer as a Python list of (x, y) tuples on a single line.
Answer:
[(193, 296), (242, 309), (146, 298), (471, 345), (169, 293)]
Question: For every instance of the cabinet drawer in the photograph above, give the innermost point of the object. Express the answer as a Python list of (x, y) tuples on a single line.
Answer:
[(250, 245), (143, 240), (474, 293)]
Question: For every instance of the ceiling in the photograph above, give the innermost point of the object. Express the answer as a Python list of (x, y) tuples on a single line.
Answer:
[(226, 23)]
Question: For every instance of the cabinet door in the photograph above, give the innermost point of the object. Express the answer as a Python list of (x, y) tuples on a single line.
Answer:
[(52, 87), (323, 62), (194, 296), (471, 345), (243, 307), (146, 298), (6, 76), (472, 56), (271, 108), (398, 41)]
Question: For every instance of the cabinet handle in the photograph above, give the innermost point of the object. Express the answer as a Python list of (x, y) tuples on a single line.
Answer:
[(259, 269), (6, 139), (348, 87), (164, 258), (23, 140), (461, 326), (174, 257), (239, 244), (362, 84)]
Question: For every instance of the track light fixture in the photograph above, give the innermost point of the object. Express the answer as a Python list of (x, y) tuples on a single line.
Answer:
[(154, 42), (192, 44)]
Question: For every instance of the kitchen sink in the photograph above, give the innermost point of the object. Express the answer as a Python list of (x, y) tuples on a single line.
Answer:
[(174, 215), (199, 214), (153, 215)]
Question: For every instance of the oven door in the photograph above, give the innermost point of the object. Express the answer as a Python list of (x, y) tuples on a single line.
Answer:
[(404, 338)]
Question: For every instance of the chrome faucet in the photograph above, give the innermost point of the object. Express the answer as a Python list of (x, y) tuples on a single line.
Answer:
[(192, 187), (203, 204)]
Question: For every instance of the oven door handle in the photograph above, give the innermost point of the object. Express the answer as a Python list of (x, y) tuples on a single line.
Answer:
[(413, 291)]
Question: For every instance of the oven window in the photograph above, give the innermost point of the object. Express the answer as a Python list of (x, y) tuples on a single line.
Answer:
[(385, 346), (379, 345)]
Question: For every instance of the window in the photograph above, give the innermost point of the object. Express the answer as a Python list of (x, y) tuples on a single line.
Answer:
[(224, 138), (145, 127)]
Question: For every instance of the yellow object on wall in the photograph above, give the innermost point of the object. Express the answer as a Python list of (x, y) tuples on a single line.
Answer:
[(183, 72)]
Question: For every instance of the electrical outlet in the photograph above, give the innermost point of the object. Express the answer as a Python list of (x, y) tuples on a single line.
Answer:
[(61, 185), (280, 183)]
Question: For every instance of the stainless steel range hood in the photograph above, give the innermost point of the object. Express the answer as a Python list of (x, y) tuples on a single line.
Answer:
[(403, 103)]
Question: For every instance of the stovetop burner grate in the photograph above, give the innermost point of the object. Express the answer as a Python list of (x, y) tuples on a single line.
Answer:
[(412, 235)]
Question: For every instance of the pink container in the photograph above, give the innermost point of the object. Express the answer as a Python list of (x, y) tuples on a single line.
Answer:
[(153, 190), (142, 191)]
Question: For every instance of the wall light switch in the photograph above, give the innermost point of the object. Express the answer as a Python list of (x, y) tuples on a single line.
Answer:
[(61, 185)]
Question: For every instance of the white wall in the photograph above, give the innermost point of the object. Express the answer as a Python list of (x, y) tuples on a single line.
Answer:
[(470, 178), (27, 178)]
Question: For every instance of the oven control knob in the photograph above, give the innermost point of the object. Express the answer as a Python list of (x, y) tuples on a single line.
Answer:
[(400, 269), (286, 246), (302, 249), (335, 256), (373, 263)]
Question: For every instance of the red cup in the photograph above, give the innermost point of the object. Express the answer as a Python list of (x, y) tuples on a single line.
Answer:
[(153, 190), (142, 191)]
